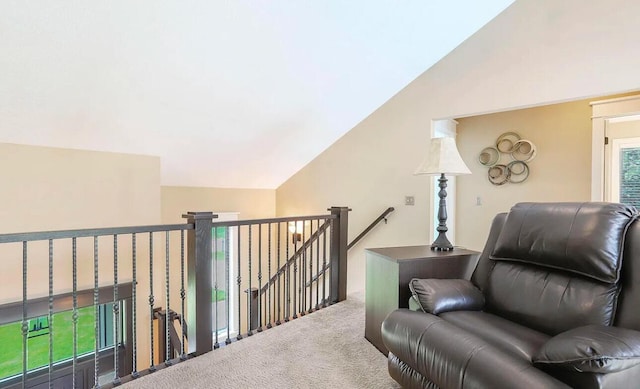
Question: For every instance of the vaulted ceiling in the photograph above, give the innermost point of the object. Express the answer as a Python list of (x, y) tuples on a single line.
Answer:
[(238, 93)]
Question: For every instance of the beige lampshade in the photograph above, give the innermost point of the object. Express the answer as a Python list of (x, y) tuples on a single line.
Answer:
[(444, 158)]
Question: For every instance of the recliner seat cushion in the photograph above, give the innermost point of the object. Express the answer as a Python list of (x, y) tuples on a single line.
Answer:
[(451, 357), (518, 340)]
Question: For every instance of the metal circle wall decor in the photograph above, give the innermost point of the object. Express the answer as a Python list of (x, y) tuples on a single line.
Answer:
[(512, 146), (507, 141), (499, 174), (489, 156), (524, 150)]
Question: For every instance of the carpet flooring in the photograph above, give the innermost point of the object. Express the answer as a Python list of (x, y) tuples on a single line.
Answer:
[(325, 349)]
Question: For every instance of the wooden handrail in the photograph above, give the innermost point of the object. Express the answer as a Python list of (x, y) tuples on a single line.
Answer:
[(380, 218), (383, 216)]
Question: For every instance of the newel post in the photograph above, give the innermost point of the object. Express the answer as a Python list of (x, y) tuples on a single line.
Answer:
[(199, 282), (338, 254)]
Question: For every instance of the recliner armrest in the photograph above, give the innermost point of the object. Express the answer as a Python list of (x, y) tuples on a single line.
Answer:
[(592, 348), (437, 296)]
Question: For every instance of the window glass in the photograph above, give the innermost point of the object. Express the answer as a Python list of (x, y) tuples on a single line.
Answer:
[(38, 334), (221, 240), (630, 176)]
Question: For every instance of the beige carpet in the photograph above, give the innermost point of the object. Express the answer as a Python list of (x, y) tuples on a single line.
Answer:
[(325, 349)]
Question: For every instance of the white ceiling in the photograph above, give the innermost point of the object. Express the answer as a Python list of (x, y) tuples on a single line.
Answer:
[(229, 93)]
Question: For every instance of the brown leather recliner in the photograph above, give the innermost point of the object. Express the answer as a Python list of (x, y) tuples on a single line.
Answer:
[(554, 302)]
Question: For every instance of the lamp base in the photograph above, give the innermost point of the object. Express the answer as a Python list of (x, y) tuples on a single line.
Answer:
[(441, 243), (436, 248)]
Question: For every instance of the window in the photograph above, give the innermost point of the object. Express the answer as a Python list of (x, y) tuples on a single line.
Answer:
[(224, 298), (221, 246), (622, 160), (629, 179), (39, 329)]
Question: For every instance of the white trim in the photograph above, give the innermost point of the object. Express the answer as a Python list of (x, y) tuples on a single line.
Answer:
[(615, 100), (597, 159), (622, 119)]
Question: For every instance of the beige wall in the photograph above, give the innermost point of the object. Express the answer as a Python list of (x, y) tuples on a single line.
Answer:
[(48, 188), (536, 52), (366, 172), (53, 189), (561, 171), (250, 203)]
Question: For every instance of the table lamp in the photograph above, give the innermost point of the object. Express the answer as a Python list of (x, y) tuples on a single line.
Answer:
[(443, 158)]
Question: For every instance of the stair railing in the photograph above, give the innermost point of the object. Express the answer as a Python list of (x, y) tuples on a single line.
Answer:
[(371, 226), (122, 276), (279, 249)]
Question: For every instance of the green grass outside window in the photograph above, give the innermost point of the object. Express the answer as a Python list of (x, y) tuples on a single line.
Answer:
[(38, 346)]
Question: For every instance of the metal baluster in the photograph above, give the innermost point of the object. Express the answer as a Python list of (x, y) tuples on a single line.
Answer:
[(25, 326), (214, 270), (152, 364), (239, 280), (50, 313), (318, 265), (74, 315), (309, 275), (116, 313), (310, 287), (287, 280), (96, 311), (295, 275), (134, 313), (269, 278), (227, 283), (279, 284), (167, 311), (303, 274), (324, 265), (183, 295), (250, 293), (306, 275), (259, 278)]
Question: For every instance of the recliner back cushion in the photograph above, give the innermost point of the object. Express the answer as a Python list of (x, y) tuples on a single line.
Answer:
[(548, 301), (582, 238), (557, 266)]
